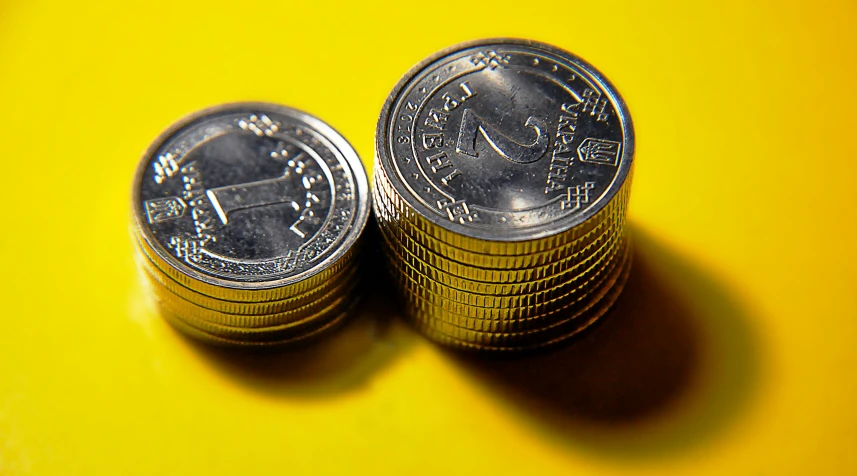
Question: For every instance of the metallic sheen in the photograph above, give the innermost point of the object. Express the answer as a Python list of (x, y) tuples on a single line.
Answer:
[(250, 196), (247, 219), (502, 177), (505, 140)]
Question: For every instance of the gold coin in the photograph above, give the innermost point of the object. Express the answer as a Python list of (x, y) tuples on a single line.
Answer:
[(415, 244), (498, 342), (279, 332), (576, 306), (407, 214), (500, 287), (419, 281), (433, 305), (153, 273), (410, 280), (249, 295), (188, 310), (201, 335), (387, 217), (557, 269)]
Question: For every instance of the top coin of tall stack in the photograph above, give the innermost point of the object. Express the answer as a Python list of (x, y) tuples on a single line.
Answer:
[(502, 176), (247, 218)]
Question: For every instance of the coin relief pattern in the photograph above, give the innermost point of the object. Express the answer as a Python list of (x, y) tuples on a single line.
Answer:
[(247, 225), (505, 136), (248, 196)]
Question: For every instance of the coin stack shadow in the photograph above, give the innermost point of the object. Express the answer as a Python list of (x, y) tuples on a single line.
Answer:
[(468, 291), (304, 287)]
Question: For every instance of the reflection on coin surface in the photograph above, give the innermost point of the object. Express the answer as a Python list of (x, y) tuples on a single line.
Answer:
[(250, 196), (505, 140), (502, 177), (246, 222)]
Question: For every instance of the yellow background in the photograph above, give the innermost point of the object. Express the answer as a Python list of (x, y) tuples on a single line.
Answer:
[(733, 350)]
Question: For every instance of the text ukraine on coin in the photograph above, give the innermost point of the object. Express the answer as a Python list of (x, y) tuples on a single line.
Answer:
[(247, 218), (502, 176)]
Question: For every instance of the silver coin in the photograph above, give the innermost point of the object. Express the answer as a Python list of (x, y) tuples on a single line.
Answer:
[(505, 140), (250, 196)]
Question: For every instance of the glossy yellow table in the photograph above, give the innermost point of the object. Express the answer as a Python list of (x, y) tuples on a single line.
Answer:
[(733, 350)]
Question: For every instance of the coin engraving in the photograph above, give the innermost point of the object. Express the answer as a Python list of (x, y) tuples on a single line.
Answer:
[(502, 129), (595, 105), (264, 198), (577, 196), (562, 153), (502, 175), (246, 222), (264, 192), (599, 151), (193, 191), (259, 125), (472, 126), (162, 209), (459, 211), (165, 167), (490, 59)]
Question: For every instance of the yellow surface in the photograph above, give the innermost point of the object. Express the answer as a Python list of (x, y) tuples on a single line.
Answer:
[(732, 352)]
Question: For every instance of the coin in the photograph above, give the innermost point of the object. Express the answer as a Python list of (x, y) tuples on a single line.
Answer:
[(433, 302), (400, 212), (252, 295), (247, 219), (250, 197), (507, 142), (425, 285), (592, 247), (502, 177), (468, 339), (501, 286), (201, 335), (421, 241), (269, 333), (533, 289), (161, 280), (320, 306)]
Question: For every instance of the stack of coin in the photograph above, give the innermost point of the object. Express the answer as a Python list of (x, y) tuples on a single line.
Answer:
[(502, 175), (247, 218)]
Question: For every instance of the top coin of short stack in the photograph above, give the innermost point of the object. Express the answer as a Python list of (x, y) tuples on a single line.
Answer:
[(502, 177), (247, 218)]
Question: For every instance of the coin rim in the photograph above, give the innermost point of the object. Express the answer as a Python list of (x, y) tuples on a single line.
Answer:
[(606, 305), (348, 152), (211, 339), (512, 234), (387, 216), (157, 277)]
